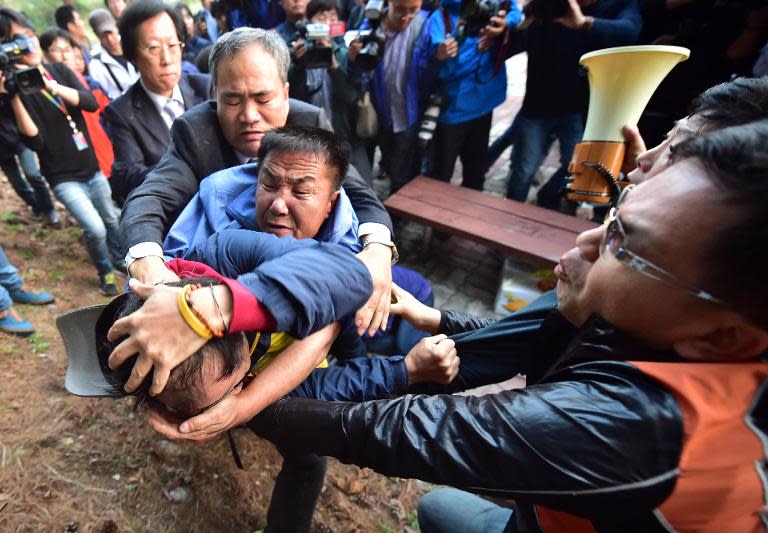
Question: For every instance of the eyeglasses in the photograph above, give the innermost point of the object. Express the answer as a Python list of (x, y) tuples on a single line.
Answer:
[(62, 51), (156, 50), (217, 402), (613, 241)]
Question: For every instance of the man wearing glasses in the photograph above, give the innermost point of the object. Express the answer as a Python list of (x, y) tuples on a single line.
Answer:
[(652, 418), (140, 120)]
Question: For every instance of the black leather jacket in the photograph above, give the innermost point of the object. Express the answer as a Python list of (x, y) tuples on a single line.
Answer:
[(594, 436)]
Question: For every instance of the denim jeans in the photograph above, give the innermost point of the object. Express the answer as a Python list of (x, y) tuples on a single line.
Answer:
[(455, 511), (90, 202), (33, 189), (9, 280), (532, 138)]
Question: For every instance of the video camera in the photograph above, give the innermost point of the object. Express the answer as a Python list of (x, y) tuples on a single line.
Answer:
[(27, 80), (316, 55), (477, 14), (373, 39)]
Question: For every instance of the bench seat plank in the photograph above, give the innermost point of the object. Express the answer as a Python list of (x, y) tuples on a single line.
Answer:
[(513, 228)]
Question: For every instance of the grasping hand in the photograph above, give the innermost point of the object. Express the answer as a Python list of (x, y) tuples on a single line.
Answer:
[(151, 270), (420, 315), (206, 426), (375, 313), (433, 359), (574, 18), (448, 49), (159, 334), (635, 147)]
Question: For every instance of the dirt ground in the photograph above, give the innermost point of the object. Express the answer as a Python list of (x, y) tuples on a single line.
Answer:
[(72, 464)]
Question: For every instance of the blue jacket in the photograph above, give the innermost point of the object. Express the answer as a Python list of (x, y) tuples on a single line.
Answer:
[(301, 299), (421, 70), (257, 14), (467, 81), (227, 199)]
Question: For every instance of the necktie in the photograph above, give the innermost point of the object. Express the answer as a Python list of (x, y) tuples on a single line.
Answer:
[(172, 110)]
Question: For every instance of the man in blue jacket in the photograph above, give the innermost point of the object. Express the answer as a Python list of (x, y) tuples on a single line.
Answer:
[(399, 85), (472, 82)]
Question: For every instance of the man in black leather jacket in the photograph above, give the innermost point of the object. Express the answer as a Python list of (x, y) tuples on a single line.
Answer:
[(652, 416)]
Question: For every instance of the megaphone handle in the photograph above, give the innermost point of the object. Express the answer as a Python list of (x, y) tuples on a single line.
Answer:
[(594, 167)]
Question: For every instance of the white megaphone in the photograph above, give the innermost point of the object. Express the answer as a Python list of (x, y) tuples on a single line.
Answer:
[(621, 82)]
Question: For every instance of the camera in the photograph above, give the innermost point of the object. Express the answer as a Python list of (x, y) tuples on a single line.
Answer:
[(374, 9), (373, 47), (25, 80), (476, 15), (546, 9), (373, 39), (316, 55), (429, 120)]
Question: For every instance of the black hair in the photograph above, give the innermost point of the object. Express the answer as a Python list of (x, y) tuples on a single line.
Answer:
[(178, 8), (8, 16), (51, 34), (218, 8), (736, 160), (319, 6), (201, 60), (731, 103), (333, 149), (186, 375), (64, 15), (136, 13)]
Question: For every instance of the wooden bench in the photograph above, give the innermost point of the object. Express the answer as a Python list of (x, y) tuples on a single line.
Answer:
[(521, 231)]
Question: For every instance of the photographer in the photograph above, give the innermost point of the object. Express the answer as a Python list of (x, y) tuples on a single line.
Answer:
[(318, 72), (556, 94), (472, 80), (399, 85), (48, 115), (33, 189)]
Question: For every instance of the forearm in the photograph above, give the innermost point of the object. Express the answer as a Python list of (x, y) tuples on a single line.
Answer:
[(24, 122), (589, 441), (452, 322), (287, 371), (69, 95), (367, 205)]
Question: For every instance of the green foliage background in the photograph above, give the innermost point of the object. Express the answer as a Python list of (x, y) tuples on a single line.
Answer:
[(40, 12)]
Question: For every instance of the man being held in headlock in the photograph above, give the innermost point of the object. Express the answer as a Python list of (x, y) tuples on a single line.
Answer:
[(433, 359), (273, 290)]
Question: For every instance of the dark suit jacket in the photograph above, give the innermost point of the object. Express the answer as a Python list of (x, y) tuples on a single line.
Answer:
[(197, 150), (139, 134)]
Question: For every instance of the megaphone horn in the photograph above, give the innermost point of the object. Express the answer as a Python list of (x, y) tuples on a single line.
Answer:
[(621, 82)]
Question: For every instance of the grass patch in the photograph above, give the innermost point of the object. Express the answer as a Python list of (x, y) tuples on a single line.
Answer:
[(38, 344)]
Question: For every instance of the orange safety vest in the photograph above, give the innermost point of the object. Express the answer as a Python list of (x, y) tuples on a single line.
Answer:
[(720, 486)]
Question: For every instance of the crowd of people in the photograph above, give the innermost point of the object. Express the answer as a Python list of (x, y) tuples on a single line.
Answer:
[(223, 161)]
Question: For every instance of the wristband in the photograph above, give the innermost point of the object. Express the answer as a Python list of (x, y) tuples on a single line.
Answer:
[(190, 317)]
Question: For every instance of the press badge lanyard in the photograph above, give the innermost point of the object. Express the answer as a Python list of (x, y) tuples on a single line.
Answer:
[(77, 136)]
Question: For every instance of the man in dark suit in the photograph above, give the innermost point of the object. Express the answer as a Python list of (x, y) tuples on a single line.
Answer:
[(249, 71), (140, 119)]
